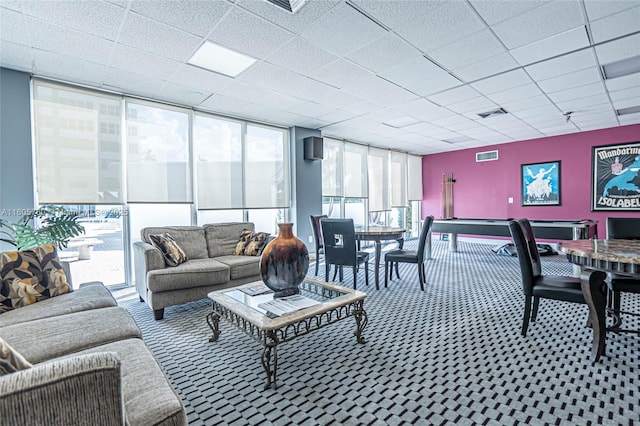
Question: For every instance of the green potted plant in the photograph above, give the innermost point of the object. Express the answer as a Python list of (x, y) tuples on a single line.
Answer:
[(48, 224)]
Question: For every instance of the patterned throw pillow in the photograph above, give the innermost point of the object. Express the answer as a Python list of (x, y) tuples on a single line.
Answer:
[(257, 244), (173, 254), (55, 280), (11, 360), (245, 237), (21, 278)]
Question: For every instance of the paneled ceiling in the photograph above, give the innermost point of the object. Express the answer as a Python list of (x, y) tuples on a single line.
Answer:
[(407, 75)]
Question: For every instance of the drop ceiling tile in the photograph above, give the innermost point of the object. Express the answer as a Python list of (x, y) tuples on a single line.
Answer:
[(245, 91), (474, 106), (475, 48), (157, 38), (380, 91), (422, 109), (15, 5), (280, 101), (193, 16), (600, 122), (555, 45), (15, 56), (563, 65), (343, 30), (361, 107), (246, 33), (69, 69), (568, 81), (536, 101), (312, 109), (383, 53), (183, 95), (337, 116), (582, 103), (546, 110), (451, 120), (629, 119), (340, 74), (502, 82), (310, 89), (67, 42), (620, 49), (190, 76), (549, 19), (452, 96), (400, 15), (578, 92), (515, 94), (271, 77), (99, 18), (544, 120), (496, 11), (334, 97), (301, 56), (12, 25), (616, 25), (297, 22), (626, 82), (559, 130), (625, 103), (421, 76), (131, 83), (134, 60), (423, 128), (486, 68), (597, 9), (222, 103)]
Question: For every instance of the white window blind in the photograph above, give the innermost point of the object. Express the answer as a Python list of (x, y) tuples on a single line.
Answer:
[(355, 170), (78, 145), (378, 167), (266, 172), (414, 174), (398, 182), (157, 154), (217, 152), (332, 164)]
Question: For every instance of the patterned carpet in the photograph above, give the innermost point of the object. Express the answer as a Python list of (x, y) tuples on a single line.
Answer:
[(452, 354)]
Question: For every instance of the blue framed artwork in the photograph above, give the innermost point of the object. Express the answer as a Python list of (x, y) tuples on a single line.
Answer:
[(541, 184), (615, 177)]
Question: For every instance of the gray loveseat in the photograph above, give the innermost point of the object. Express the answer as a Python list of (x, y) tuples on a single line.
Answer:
[(90, 366), (211, 265)]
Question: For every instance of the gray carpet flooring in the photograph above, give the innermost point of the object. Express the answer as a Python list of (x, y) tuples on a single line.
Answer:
[(452, 354)]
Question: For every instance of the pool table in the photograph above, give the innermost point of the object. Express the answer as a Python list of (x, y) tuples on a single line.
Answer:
[(542, 229)]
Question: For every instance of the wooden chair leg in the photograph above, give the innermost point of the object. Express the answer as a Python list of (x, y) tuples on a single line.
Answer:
[(527, 315)]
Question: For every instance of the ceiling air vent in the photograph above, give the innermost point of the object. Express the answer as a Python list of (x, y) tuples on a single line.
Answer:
[(288, 5), (486, 156), (499, 111)]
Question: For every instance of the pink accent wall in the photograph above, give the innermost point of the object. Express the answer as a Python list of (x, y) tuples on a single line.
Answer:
[(482, 189)]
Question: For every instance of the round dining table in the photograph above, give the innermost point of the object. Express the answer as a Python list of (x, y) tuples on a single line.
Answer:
[(377, 234)]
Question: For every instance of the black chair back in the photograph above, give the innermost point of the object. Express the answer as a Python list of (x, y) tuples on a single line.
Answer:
[(528, 256), (426, 226), (339, 238), (317, 231), (627, 228)]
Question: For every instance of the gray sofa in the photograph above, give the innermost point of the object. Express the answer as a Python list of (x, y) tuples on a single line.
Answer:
[(90, 366), (211, 265)]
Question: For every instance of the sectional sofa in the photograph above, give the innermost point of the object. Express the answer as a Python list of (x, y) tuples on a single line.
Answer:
[(90, 365)]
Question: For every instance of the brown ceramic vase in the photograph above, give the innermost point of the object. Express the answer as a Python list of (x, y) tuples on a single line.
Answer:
[(284, 262)]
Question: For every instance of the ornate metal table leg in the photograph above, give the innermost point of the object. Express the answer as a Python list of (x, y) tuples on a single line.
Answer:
[(594, 287), (213, 319), (270, 344), (361, 322)]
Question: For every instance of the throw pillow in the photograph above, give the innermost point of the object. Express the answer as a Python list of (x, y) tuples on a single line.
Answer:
[(22, 282), (257, 244), (173, 254), (54, 278), (10, 359), (245, 237)]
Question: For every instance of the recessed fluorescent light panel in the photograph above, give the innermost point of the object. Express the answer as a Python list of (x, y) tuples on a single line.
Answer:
[(288, 5), (219, 59), (628, 110), (499, 111), (457, 139), (402, 121), (620, 68)]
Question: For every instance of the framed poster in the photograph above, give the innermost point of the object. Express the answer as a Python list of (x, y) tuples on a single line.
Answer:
[(541, 184), (615, 177)]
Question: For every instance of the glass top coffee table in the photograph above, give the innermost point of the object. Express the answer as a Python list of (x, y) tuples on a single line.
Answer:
[(251, 314)]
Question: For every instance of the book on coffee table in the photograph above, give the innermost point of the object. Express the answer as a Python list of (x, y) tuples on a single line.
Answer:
[(286, 305), (256, 289)]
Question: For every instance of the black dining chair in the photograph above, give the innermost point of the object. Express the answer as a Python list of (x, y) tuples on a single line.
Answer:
[(339, 238), (317, 236), (409, 256), (627, 228), (534, 284)]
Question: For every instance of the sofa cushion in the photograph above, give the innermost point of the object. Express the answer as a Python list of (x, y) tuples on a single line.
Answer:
[(10, 359), (92, 295), (48, 338), (148, 397), (241, 266), (189, 238), (223, 237), (194, 273), (245, 239), (172, 252)]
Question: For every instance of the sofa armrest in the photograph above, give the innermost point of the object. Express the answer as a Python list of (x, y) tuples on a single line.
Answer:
[(83, 389), (66, 267), (147, 256)]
